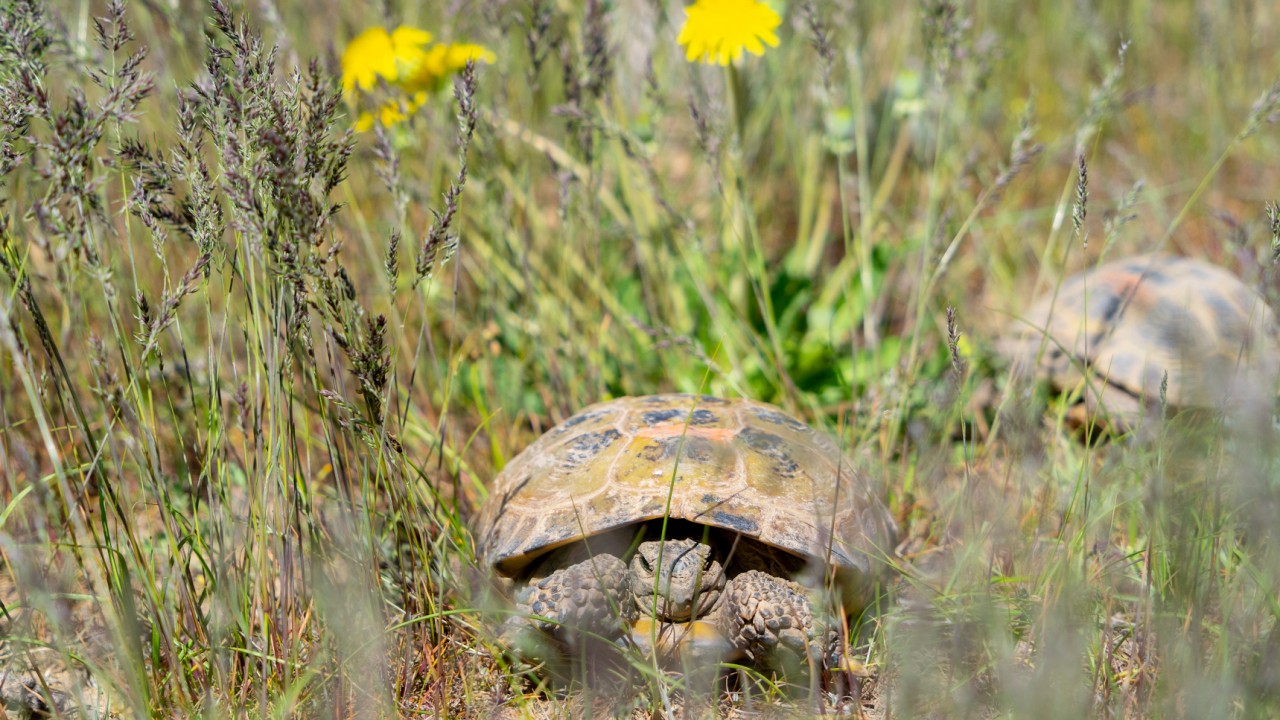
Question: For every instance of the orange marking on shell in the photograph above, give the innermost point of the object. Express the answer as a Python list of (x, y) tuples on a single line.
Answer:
[(1128, 286), (676, 428)]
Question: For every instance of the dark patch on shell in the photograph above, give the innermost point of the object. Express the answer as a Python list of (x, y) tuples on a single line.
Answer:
[(588, 445), (1177, 330), (1112, 304), (703, 417), (657, 417), (682, 397), (1230, 324), (660, 449), (747, 526), (698, 449), (698, 417), (575, 421), (787, 468), (1095, 339), (687, 448), (763, 442), (1156, 277), (773, 447), (777, 418)]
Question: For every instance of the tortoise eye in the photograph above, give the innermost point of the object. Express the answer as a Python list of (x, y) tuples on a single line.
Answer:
[(644, 563)]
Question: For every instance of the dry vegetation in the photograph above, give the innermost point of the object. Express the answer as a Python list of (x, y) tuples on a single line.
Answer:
[(256, 370)]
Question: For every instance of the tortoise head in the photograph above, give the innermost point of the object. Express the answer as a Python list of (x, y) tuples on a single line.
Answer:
[(676, 580)]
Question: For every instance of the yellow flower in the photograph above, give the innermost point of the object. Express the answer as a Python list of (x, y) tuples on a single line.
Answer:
[(375, 53), (442, 60), (717, 31), (391, 112)]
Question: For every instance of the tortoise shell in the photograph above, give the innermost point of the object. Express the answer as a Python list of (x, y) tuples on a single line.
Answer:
[(1124, 324), (735, 464)]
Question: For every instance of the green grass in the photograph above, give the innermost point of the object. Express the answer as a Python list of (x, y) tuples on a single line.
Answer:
[(255, 373)]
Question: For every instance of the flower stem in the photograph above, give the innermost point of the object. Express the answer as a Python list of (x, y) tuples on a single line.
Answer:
[(753, 248), (737, 101)]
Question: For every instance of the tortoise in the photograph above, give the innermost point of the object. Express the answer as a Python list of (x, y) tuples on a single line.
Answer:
[(1121, 330), (682, 524)]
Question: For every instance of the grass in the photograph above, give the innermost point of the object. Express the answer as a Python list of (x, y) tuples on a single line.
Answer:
[(256, 371)]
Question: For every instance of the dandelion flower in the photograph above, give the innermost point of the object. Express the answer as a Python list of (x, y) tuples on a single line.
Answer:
[(442, 60), (717, 31), (376, 53), (408, 63), (391, 112)]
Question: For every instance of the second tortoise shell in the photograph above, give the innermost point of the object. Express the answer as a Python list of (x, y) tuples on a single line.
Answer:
[(733, 464), (1124, 324)]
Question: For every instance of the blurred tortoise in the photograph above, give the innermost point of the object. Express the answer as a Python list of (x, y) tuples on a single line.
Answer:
[(753, 499), (1113, 332)]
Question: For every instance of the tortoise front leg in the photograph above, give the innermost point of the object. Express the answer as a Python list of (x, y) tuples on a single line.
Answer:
[(590, 597), (765, 617)]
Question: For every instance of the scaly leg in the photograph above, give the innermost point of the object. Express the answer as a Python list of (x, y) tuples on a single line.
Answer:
[(590, 597)]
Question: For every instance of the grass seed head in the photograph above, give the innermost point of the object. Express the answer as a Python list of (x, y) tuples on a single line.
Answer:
[(1080, 210)]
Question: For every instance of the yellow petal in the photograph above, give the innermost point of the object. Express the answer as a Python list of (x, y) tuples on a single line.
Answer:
[(409, 44), (408, 36), (460, 53), (441, 60), (367, 57)]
